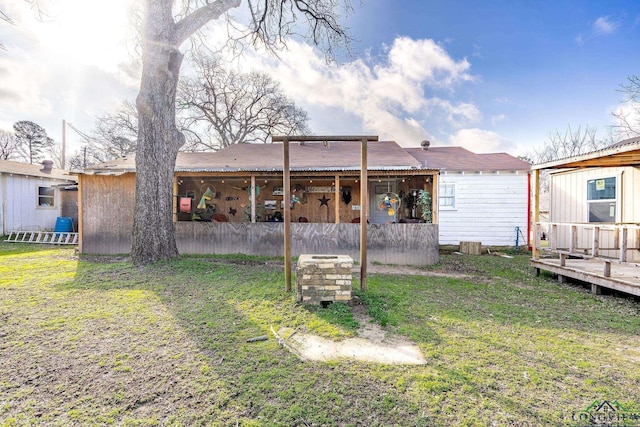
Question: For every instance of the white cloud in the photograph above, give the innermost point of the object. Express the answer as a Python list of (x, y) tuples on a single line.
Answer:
[(604, 25), (498, 118), (389, 96), (480, 141)]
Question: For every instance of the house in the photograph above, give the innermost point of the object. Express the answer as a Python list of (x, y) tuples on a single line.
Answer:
[(32, 197), (481, 197), (231, 201), (594, 213)]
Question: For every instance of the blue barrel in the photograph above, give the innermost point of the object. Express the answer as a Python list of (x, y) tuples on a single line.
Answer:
[(64, 224)]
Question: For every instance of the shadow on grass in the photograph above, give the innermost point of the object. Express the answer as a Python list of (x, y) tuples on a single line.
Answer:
[(480, 333), (220, 305)]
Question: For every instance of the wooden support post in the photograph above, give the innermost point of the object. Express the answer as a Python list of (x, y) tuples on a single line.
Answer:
[(175, 199), (80, 213), (607, 269), (595, 244), (596, 290), (623, 245), (434, 199), (253, 198), (537, 240), (573, 239), (364, 208), (536, 211), (337, 198), (286, 183), (364, 213), (553, 237), (563, 260), (561, 279)]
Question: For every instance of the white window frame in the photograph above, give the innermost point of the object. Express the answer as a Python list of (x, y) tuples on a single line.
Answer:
[(613, 201), (442, 195), (40, 197)]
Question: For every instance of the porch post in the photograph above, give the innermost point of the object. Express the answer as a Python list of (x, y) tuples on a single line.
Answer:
[(337, 195), (435, 205), (286, 183), (253, 198), (364, 213), (536, 213)]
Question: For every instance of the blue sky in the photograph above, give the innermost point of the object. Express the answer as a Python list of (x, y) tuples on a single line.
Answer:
[(538, 65), (494, 76)]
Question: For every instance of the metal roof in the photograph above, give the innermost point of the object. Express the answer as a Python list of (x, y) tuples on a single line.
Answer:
[(623, 153), (36, 170), (308, 156), (458, 159)]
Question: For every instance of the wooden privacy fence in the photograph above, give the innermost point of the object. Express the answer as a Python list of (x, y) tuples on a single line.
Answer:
[(618, 242)]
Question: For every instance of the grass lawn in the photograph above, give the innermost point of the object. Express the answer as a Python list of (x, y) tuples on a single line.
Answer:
[(99, 342)]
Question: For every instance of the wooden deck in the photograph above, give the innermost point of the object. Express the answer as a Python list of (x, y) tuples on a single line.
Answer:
[(600, 273)]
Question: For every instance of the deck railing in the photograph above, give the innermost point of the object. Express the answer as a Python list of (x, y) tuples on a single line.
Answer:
[(610, 242)]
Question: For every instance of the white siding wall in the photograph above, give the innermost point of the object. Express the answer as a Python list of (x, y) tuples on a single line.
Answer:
[(569, 194), (19, 204), (489, 207)]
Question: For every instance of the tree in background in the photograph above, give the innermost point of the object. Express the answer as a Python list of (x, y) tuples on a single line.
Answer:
[(8, 146), (159, 139), (628, 115), (114, 136), (33, 141), (567, 143), (232, 108)]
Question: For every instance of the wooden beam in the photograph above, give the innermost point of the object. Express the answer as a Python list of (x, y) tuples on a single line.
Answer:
[(286, 183), (80, 213), (536, 213), (253, 198), (435, 205), (364, 213), (623, 245), (337, 197)]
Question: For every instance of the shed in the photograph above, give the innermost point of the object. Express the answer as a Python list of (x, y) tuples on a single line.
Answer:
[(594, 217), (33, 196)]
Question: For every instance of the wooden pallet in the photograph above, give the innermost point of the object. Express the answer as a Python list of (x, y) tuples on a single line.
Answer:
[(47, 237)]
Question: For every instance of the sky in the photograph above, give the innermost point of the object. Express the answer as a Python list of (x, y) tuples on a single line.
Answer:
[(496, 76)]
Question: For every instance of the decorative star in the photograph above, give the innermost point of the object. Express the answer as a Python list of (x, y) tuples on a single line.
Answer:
[(324, 200), (232, 211)]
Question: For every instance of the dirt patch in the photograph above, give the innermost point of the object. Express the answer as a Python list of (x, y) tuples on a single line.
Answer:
[(373, 344)]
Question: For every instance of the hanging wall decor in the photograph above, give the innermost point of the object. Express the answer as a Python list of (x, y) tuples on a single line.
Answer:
[(346, 195)]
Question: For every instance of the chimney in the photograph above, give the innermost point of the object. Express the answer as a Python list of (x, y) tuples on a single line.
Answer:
[(425, 145), (47, 166)]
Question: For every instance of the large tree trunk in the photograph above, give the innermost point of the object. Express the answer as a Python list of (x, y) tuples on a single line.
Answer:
[(158, 138)]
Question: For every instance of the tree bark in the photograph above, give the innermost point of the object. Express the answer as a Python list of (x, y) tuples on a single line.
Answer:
[(158, 138)]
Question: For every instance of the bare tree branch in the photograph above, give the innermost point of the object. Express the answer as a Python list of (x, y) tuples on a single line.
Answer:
[(236, 108), (628, 115)]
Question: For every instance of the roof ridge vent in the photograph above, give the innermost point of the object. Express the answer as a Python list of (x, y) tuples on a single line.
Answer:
[(425, 145)]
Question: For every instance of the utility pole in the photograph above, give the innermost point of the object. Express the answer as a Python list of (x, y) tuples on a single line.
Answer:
[(64, 144)]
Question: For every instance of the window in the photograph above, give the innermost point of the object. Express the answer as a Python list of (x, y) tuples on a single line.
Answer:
[(601, 199), (447, 196), (46, 197)]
